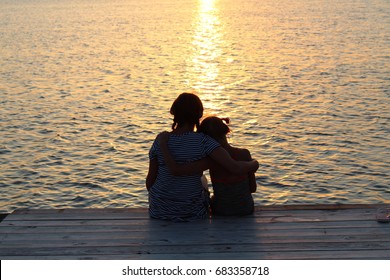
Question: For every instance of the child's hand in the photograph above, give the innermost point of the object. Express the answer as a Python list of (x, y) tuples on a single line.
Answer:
[(163, 137), (255, 165)]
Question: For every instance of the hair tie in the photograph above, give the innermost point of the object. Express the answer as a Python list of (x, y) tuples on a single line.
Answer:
[(226, 120)]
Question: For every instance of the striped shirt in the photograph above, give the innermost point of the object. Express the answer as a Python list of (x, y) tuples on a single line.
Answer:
[(180, 198)]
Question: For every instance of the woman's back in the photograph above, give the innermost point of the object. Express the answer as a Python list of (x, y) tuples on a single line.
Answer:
[(180, 198)]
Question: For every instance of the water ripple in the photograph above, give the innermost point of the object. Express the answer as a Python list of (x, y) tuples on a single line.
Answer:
[(84, 90)]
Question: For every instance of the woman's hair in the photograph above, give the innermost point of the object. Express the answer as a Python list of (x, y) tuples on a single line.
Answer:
[(215, 127), (187, 109)]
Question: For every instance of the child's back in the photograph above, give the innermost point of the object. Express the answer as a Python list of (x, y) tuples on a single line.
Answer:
[(232, 193)]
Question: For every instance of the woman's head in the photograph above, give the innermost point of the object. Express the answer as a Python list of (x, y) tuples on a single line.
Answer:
[(186, 109), (215, 127)]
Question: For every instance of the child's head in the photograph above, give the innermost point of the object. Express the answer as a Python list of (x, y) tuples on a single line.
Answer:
[(186, 109), (215, 127)]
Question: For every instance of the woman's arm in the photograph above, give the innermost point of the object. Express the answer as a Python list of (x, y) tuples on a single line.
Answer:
[(180, 169), (223, 158), (152, 173), (219, 155)]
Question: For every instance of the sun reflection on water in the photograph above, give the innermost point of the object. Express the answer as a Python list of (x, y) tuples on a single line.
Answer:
[(204, 65)]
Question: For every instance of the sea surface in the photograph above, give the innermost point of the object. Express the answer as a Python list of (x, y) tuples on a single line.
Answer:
[(86, 85)]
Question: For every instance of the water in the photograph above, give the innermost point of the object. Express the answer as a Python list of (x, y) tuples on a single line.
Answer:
[(86, 85)]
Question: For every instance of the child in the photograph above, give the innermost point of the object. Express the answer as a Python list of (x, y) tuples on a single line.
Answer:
[(232, 192)]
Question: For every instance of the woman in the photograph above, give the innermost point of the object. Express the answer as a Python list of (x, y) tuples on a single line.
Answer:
[(183, 198)]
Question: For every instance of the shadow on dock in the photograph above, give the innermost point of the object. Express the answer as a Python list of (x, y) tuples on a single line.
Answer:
[(2, 217)]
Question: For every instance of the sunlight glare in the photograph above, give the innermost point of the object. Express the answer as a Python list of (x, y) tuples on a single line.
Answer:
[(207, 4), (208, 48)]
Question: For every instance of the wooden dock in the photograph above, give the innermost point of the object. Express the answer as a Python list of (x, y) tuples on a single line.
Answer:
[(273, 232)]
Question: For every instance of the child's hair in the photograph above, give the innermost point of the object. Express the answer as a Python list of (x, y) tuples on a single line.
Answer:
[(187, 109), (215, 127)]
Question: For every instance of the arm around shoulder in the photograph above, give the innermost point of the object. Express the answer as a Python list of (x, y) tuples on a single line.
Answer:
[(222, 157)]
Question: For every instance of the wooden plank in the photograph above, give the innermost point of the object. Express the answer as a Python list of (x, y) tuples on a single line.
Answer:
[(75, 213), (107, 225), (216, 251), (142, 241), (310, 215), (288, 232), (32, 228), (201, 224), (230, 226), (141, 223), (80, 216), (216, 233), (220, 232), (224, 248), (206, 234), (262, 211), (257, 208), (366, 213), (321, 207), (313, 255)]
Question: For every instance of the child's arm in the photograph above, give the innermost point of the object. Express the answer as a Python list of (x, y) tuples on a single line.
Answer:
[(251, 175), (180, 169), (252, 182)]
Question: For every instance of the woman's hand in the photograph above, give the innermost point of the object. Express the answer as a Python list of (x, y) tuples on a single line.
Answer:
[(223, 158)]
